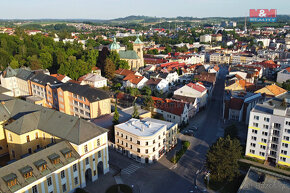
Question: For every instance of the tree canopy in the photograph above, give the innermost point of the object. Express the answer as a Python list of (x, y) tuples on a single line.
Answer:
[(38, 51), (222, 159)]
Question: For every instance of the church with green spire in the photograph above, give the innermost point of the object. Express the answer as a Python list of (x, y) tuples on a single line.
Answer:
[(133, 57)]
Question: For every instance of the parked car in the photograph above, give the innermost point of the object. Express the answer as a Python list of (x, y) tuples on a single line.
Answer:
[(188, 132), (193, 128)]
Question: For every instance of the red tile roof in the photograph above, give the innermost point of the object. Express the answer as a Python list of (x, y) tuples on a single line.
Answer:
[(134, 79), (58, 76), (169, 105), (197, 87), (153, 81), (124, 72)]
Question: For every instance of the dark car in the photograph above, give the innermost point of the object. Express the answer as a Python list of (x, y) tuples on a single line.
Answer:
[(188, 132)]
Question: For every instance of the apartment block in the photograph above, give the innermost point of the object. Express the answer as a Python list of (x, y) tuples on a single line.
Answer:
[(83, 101), (145, 140), (269, 131)]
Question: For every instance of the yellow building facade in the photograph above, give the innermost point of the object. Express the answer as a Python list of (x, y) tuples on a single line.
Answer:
[(49, 151)]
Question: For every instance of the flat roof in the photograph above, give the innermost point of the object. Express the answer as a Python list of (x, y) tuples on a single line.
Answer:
[(273, 183), (141, 128)]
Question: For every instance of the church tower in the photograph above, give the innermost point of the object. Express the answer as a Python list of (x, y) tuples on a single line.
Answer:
[(138, 48), (114, 46)]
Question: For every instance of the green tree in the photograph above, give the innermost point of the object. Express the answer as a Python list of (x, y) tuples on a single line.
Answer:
[(123, 64), (46, 60), (34, 62), (146, 91), (109, 69), (117, 86), (116, 115), (92, 57), (4, 59), (135, 113), (148, 103), (14, 64), (232, 131), (222, 159)]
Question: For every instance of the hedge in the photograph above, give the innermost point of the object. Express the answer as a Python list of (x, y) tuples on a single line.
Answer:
[(179, 154)]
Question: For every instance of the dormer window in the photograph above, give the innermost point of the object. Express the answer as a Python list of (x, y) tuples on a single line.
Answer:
[(10, 179), (66, 152), (26, 171), (54, 158), (41, 165)]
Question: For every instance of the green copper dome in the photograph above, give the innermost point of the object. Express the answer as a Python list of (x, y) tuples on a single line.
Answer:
[(114, 45), (138, 41)]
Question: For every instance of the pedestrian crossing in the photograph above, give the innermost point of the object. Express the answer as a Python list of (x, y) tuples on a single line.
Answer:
[(131, 169)]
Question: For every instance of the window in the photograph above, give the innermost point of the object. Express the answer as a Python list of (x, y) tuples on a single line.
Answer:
[(34, 189), (254, 138), (262, 153), (117, 140), (286, 138), (285, 144), (36, 135), (266, 126), (76, 109), (253, 144), (86, 148), (262, 146), (130, 138), (99, 154), (288, 123), (138, 142), (266, 119), (264, 140), (284, 152), (87, 161), (126, 137), (75, 167), (62, 174), (153, 149), (98, 142), (146, 150), (255, 124), (122, 135), (254, 131), (138, 150), (256, 117), (117, 133), (159, 145), (252, 151), (283, 159), (277, 125), (49, 182), (76, 180), (27, 138), (64, 188), (146, 143), (131, 146), (264, 133), (154, 141)]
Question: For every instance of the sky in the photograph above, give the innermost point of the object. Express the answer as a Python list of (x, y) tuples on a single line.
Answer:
[(110, 9)]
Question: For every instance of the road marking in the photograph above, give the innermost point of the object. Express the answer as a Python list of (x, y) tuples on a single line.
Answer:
[(131, 169)]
